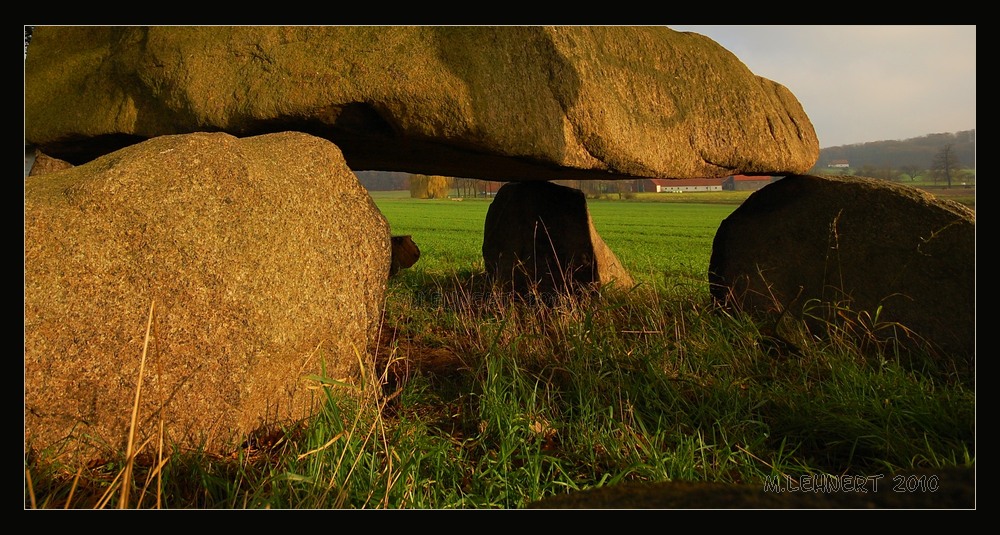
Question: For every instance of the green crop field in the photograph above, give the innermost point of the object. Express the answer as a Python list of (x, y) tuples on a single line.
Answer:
[(661, 238), (661, 242), (449, 233), (658, 242)]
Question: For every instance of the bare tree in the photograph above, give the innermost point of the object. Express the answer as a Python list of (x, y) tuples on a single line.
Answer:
[(945, 164), (911, 171), (465, 187)]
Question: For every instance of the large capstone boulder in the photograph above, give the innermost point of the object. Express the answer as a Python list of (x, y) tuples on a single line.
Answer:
[(866, 258), (503, 103), (539, 239), (262, 261)]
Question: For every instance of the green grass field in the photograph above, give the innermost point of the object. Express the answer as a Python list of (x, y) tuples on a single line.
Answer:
[(658, 242), (659, 237)]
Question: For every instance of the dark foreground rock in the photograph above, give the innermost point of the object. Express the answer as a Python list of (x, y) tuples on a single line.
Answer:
[(503, 103), (943, 488), (263, 260), (539, 237), (405, 253), (878, 260)]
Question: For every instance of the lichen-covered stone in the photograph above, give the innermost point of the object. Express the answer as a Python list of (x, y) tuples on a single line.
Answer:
[(506, 103), (43, 164), (263, 260)]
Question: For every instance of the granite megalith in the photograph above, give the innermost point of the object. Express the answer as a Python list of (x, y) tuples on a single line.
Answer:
[(503, 103), (262, 261), (44, 163), (539, 238), (405, 253), (878, 261)]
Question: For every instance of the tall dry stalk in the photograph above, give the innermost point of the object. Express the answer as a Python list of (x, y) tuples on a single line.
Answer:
[(129, 454)]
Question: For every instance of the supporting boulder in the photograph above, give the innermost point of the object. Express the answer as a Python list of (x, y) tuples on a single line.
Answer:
[(854, 255), (539, 237), (262, 262), (405, 253)]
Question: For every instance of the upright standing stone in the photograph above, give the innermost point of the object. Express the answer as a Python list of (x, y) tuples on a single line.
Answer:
[(889, 260), (539, 236)]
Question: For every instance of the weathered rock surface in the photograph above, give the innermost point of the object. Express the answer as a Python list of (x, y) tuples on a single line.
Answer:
[(853, 252), (264, 261), (504, 103), (537, 233), (44, 163)]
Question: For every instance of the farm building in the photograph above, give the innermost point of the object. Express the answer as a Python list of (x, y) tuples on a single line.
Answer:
[(729, 183), (747, 183), (663, 185), (838, 163)]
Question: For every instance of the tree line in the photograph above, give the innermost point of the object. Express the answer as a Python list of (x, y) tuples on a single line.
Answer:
[(946, 159), (441, 187), (426, 186)]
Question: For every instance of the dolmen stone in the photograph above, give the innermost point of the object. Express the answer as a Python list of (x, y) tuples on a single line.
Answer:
[(539, 239), (262, 262), (503, 103), (848, 255), (43, 163), (405, 253)]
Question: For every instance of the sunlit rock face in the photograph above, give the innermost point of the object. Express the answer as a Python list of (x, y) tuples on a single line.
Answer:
[(504, 103), (254, 263)]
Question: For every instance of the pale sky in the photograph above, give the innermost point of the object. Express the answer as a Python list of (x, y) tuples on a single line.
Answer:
[(865, 83)]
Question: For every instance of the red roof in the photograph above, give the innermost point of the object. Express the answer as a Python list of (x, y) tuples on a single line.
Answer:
[(741, 178)]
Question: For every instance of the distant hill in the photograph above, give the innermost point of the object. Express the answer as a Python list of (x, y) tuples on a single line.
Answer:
[(917, 152)]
